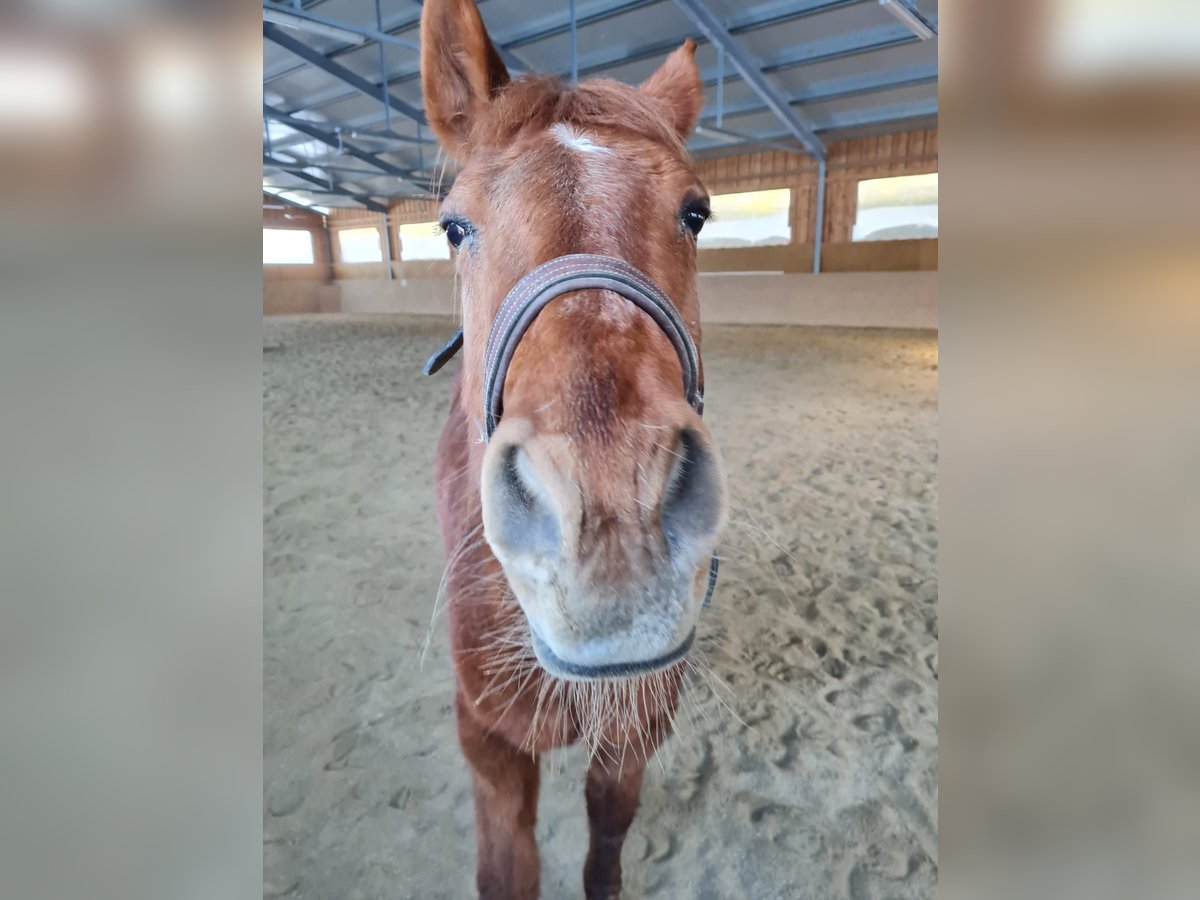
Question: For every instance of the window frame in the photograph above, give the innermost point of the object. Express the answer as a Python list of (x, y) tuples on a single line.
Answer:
[(312, 245), (341, 252), (914, 223), (788, 239), (433, 232)]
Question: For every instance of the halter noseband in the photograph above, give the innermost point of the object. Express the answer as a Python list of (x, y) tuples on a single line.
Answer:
[(550, 280)]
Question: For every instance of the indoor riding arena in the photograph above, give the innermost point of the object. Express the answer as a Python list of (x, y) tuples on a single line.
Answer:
[(803, 758)]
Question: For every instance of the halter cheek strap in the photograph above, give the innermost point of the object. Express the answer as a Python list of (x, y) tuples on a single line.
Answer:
[(550, 280)]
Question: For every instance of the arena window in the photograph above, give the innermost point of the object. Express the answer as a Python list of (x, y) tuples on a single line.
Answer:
[(897, 209), (287, 246), (423, 240), (360, 245), (750, 219)]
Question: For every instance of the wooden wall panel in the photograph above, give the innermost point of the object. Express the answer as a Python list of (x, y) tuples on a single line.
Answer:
[(400, 212), (314, 223), (353, 218), (848, 162), (412, 212), (340, 219), (870, 256), (409, 212), (880, 156), (289, 216)]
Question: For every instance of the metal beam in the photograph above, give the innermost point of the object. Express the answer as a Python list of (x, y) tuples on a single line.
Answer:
[(514, 63), (863, 118), (331, 184), (736, 137), (302, 164), (574, 42), (804, 54), (305, 189), (276, 35), (540, 29), (719, 35), (880, 115), (385, 134), (840, 46), (364, 132), (403, 24), (373, 34), (385, 92), (913, 18), (838, 88), (333, 161), (620, 56), (511, 59), (560, 23), (810, 53), (589, 64), (331, 139), (771, 14), (295, 203), (756, 17)]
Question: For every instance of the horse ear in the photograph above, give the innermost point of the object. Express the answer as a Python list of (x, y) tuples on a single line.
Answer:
[(460, 70), (676, 85)]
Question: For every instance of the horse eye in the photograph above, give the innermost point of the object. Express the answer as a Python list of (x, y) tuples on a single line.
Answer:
[(454, 233), (694, 219)]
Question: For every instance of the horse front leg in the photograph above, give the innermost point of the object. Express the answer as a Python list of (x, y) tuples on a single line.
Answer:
[(506, 796), (613, 791)]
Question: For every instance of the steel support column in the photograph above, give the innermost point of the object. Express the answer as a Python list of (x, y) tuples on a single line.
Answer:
[(387, 246), (384, 90), (819, 236), (328, 238), (574, 43)]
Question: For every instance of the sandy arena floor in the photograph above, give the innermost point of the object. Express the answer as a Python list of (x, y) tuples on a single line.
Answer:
[(824, 632)]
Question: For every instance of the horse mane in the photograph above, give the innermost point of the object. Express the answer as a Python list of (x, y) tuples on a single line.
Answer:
[(536, 102)]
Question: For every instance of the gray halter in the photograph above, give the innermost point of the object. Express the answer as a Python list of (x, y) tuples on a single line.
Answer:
[(550, 280)]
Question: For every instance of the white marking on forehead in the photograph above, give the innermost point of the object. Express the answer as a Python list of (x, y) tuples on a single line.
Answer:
[(574, 140), (596, 170)]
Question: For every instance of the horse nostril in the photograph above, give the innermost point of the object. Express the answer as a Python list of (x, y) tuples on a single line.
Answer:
[(694, 501), (519, 514), (514, 485)]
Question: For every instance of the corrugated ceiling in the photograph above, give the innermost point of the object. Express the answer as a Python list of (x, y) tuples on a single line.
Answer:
[(844, 67)]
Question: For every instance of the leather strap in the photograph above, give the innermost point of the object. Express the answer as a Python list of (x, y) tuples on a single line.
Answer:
[(445, 354), (562, 275)]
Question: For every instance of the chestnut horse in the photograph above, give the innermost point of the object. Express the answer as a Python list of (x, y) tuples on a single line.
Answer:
[(579, 532)]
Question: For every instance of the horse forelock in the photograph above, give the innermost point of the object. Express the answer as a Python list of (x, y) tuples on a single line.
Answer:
[(534, 103)]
